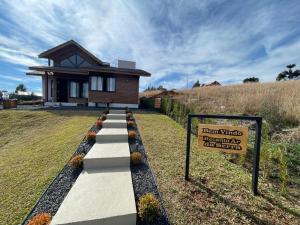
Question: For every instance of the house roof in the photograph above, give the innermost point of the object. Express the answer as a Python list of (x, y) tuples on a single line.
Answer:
[(52, 51), (100, 66), (86, 70)]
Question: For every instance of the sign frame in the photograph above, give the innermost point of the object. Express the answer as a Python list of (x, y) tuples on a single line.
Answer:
[(257, 143)]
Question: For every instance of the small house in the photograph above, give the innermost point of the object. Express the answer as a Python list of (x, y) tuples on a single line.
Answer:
[(74, 77)]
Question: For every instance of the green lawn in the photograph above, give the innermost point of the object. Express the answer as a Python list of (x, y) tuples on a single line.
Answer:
[(219, 191), (34, 147)]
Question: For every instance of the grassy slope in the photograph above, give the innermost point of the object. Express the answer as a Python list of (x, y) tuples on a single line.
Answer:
[(34, 147), (270, 100), (219, 191)]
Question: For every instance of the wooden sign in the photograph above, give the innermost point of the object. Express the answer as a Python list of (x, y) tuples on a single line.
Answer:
[(228, 139), (157, 103)]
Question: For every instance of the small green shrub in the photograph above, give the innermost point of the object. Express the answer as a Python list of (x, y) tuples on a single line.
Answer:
[(147, 102), (283, 167), (148, 207)]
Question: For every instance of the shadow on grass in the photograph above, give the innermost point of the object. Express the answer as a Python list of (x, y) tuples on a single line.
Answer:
[(146, 111), (228, 202), (281, 206)]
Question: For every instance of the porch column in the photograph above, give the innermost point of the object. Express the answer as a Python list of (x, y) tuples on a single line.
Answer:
[(54, 89), (46, 87)]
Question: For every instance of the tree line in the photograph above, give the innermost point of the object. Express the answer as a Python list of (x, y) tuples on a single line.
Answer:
[(288, 74)]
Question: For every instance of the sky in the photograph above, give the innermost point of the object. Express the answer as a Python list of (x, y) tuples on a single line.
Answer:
[(178, 42)]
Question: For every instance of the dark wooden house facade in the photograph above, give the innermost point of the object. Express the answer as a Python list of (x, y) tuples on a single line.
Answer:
[(74, 77)]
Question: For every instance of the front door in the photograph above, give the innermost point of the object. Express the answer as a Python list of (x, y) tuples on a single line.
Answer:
[(62, 90)]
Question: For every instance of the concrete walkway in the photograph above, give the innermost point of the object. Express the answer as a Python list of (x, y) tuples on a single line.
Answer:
[(103, 192)]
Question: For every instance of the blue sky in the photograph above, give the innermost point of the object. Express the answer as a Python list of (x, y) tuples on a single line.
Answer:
[(203, 40)]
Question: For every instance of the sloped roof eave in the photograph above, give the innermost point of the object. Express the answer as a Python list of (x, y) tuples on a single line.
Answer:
[(50, 51), (86, 71)]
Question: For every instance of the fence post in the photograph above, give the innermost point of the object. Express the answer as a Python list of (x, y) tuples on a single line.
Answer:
[(255, 171), (188, 147)]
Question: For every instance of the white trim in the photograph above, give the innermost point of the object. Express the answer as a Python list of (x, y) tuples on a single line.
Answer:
[(54, 104), (57, 104), (68, 104), (122, 105)]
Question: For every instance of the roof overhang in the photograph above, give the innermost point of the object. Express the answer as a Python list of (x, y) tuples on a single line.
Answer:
[(40, 71), (53, 51)]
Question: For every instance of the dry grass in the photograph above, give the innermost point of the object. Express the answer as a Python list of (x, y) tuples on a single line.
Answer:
[(219, 191), (277, 99), (148, 94)]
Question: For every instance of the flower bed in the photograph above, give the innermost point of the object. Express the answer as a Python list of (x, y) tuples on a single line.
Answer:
[(62, 183), (143, 179)]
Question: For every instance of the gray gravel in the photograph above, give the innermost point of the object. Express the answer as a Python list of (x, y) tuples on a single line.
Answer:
[(142, 177)]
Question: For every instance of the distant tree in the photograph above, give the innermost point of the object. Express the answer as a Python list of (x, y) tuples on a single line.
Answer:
[(20, 87), (251, 80), (196, 84), (161, 88), (152, 88), (289, 74)]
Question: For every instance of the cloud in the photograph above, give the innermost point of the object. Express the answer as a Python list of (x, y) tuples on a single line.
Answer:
[(206, 40), (12, 78)]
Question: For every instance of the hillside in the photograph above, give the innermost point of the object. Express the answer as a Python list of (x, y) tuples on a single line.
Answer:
[(279, 105), (278, 102)]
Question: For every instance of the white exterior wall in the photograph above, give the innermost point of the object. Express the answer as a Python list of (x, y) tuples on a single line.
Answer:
[(121, 105)]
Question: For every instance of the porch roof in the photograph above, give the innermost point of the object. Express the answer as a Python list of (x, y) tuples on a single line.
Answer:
[(86, 70)]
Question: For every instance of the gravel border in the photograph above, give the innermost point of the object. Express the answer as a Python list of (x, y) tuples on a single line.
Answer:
[(144, 180), (57, 190)]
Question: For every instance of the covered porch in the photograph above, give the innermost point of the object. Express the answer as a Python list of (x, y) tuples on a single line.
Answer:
[(64, 87)]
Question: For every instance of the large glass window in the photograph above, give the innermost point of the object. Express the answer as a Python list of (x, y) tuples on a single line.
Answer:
[(111, 84), (96, 83), (74, 89), (85, 90), (74, 61)]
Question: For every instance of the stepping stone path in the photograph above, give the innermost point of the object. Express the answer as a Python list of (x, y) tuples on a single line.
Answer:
[(103, 192)]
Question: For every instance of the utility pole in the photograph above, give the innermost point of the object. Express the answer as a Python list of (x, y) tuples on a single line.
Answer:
[(187, 81)]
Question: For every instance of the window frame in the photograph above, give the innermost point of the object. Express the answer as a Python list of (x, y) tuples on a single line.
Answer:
[(77, 90), (82, 93), (104, 83), (97, 78), (107, 85)]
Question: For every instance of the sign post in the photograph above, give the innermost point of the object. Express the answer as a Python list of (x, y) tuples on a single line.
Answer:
[(228, 139)]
